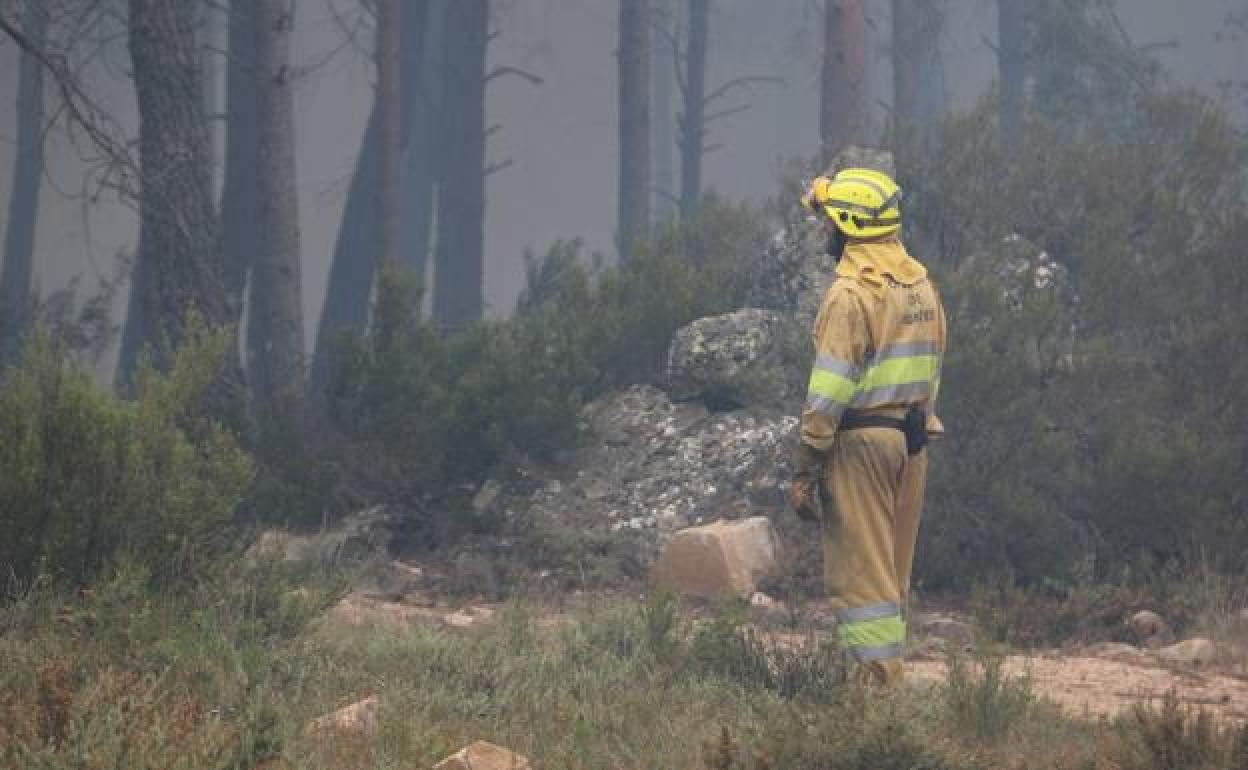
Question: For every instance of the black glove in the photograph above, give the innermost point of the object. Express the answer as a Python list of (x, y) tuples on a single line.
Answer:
[(804, 489)]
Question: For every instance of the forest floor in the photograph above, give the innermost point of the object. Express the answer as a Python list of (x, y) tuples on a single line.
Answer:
[(1085, 682)]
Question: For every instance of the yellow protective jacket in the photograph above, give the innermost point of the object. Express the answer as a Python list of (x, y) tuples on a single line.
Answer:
[(879, 341)]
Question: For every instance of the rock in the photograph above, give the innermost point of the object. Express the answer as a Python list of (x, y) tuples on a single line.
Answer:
[(483, 756), (487, 496), (767, 607), (356, 538), (1193, 652), (717, 559), (468, 617), (360, 718), (358, 611), (388, 579), (944, 627), (1150, 629), (1119, 652), (746, 357), (1243, 616)]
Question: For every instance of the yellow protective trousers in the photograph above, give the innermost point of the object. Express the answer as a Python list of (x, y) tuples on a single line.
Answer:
[(872, 501)]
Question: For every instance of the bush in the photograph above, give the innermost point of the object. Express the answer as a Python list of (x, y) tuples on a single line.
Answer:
[(1173, 737), (430, 411), (86, 477), (1119, 447)]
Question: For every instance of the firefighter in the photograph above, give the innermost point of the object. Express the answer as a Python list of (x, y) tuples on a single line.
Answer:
[(861, 465)]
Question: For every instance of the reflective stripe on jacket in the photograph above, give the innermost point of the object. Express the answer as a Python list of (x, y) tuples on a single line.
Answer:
[(876, 349)]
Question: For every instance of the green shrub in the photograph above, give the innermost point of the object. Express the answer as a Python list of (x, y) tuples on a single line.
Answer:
[(86, 477), (981, 700), (1070, 466), (427, 411), (1171, 736)]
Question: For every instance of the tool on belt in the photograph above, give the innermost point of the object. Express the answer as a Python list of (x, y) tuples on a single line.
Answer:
[(913, 425)]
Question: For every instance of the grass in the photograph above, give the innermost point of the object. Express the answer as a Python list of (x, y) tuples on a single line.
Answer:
[(229, 674)]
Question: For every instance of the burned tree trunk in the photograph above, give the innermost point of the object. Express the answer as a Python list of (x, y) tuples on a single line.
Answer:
[(239, 203), (179, 266), (359, 245), (663, 73), (1012, 72), (459, 269), (19, 236), (693, 119), (842, 106), (276, 334), (422, 49), (918, 71), (389, 92), (634, 124)]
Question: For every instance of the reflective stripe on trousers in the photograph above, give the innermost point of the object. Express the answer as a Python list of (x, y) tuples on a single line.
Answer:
[(871, 633)]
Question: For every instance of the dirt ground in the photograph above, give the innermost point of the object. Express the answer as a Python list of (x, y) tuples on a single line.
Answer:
[(1091, 687), (1100, 681)]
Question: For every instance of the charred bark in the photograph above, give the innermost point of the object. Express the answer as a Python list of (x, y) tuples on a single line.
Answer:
[(918, 71), (239, 202), (389, 92), (693, 119), (359, 247), (842, 108), (422, 50), (276, 334), (179, 266), (459, 269), (19, 238), (662, 120), (634, 124)]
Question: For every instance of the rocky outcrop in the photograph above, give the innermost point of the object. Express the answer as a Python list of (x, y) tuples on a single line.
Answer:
[(483, 756), (746, 358), (725, 558), (653, 466)]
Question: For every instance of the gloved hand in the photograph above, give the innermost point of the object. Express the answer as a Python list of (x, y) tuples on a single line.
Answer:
[(803, 496), (804, 489)]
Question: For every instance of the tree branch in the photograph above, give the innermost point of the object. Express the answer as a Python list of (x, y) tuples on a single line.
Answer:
[(499, 72), (744, 82), (77, 105), (494, 168)]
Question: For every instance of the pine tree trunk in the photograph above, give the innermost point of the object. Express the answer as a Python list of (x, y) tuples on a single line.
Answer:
[(663, 74), (358, 248), (1012, 71), (842, 109), (422, 48), (693, 120), (19, 236), (179, 263), (389, 91), (918, 71), (276, 352), (634, 124), (459, 269), (239, 203), (355, 256)]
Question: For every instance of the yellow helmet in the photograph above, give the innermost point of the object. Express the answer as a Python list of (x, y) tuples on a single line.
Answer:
[(861, 202)]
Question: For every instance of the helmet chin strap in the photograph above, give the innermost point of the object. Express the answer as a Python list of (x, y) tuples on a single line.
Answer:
[(836, 244)]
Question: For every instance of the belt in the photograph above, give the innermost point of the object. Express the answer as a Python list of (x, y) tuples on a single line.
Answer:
[(913, 425)]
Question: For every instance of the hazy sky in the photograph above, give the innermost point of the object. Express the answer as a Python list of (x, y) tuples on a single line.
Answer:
[(561, 135)]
